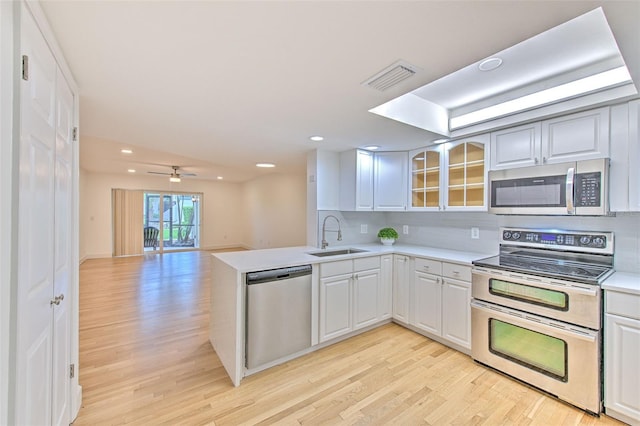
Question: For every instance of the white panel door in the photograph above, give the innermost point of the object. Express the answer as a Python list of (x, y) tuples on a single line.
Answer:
[(456, 312), (335, 306), (390, 187), (582, 136), (427, 299), (364, 180), (622, 370), (62, 259), (385, 296), (515, 147), (401, 282), (35, 229), (365, 298)]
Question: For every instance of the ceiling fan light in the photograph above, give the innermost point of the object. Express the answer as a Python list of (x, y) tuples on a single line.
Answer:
[(175, 179)]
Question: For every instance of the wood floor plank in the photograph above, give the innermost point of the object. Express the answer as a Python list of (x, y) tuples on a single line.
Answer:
[(145, 359)]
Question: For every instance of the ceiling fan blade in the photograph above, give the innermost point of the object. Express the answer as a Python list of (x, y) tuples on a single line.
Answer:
[(188, 174), (160, 173)]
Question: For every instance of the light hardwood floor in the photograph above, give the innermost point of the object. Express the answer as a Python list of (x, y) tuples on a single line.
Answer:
[(145, 359)]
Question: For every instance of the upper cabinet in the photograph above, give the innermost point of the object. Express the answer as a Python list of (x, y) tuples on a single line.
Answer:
[(373, 181), (426, 165), (581, 136), (624, 175), (466, 174), (390, 181), (451, 176), (516, 147), (356, 180)]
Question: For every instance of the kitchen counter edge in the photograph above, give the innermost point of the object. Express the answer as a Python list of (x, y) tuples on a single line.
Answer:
[(624, 282), (264, 259)]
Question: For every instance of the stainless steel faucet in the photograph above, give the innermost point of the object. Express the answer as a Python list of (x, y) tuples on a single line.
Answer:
[(324, 230)]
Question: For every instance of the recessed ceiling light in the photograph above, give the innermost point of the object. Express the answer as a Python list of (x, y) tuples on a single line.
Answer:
[(126, 151), (131, 170), (372, 147), (265, 165), (490, 64), (316, 138), (220, 177), (554, 94)]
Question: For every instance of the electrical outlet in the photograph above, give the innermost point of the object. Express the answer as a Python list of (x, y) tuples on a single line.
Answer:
[(475, 233), (405, 229), (364, 228)]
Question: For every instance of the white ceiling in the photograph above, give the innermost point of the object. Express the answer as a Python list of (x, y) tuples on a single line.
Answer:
[(217, 86)]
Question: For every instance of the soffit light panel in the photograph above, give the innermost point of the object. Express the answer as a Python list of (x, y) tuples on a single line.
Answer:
[(565, 91)]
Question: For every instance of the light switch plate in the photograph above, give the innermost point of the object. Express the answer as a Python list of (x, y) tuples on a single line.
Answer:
[(405, 229), (364, 228), (475, 233)]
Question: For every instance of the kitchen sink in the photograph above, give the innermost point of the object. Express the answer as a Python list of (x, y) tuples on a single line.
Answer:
[(337, 252)]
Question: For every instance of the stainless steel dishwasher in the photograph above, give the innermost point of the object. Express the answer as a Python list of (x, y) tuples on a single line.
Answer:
[(278, 314)]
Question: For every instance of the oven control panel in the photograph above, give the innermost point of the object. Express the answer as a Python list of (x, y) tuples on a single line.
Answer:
[(593, 241)]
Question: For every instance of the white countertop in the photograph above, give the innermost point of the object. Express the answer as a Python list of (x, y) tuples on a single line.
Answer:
[(257, 260), (625, 282)]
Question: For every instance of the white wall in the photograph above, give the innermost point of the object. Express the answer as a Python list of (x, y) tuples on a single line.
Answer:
[(222, 226), (275, 209)]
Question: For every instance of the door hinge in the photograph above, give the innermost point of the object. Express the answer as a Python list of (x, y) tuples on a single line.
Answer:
[(75, 133), (72, 371), (25, 67)]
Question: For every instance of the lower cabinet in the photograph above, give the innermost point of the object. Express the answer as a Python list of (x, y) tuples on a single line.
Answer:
[(401, 285), (441, 300), (429, 295), (353, 295), (621, 354)]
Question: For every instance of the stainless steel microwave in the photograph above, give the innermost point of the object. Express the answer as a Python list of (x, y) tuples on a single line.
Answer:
[(578, 188)]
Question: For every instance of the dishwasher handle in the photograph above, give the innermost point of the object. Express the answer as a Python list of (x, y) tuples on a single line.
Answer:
[(278, 274)]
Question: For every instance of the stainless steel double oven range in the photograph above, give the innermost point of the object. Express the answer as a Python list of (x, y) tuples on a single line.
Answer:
[(537, 311)]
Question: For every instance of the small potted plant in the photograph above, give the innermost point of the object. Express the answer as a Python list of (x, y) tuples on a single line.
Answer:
[(387, 236)]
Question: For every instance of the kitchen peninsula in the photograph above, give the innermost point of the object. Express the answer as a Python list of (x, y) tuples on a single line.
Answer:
[(390, 267)]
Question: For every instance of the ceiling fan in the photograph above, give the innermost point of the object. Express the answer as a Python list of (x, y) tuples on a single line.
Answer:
[(175, 175)]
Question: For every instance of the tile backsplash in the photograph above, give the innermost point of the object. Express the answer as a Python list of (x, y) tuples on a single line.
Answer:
[(452, 230)]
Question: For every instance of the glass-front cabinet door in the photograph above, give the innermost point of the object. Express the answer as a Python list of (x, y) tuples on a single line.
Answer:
[(466, 174), (426, 182)]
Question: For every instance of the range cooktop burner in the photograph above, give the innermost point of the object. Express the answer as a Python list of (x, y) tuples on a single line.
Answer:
[(547, 267)]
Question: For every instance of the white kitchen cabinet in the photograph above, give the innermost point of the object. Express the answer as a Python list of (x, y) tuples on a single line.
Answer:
[(426, 178), (385, 299), (335, 306), (621, 354), (350, 292), (634, 155), (427, 302), (516, 147), (390, 181), (441, 301), (465, 174), (451, 176), (456, 316), (365, 298), (401, 285), (581, 136), (356, 180)]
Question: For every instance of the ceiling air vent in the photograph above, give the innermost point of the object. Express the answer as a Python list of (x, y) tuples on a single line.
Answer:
[(390, 76)]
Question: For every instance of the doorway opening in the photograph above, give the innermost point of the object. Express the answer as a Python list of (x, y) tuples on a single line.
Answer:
[(171, 221)]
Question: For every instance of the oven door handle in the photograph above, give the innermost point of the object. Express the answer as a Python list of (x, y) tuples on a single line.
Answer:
[(522, 319), (569, 190), (522, 279)]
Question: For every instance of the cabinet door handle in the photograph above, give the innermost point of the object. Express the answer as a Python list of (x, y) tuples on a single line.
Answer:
[(536, 161)]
